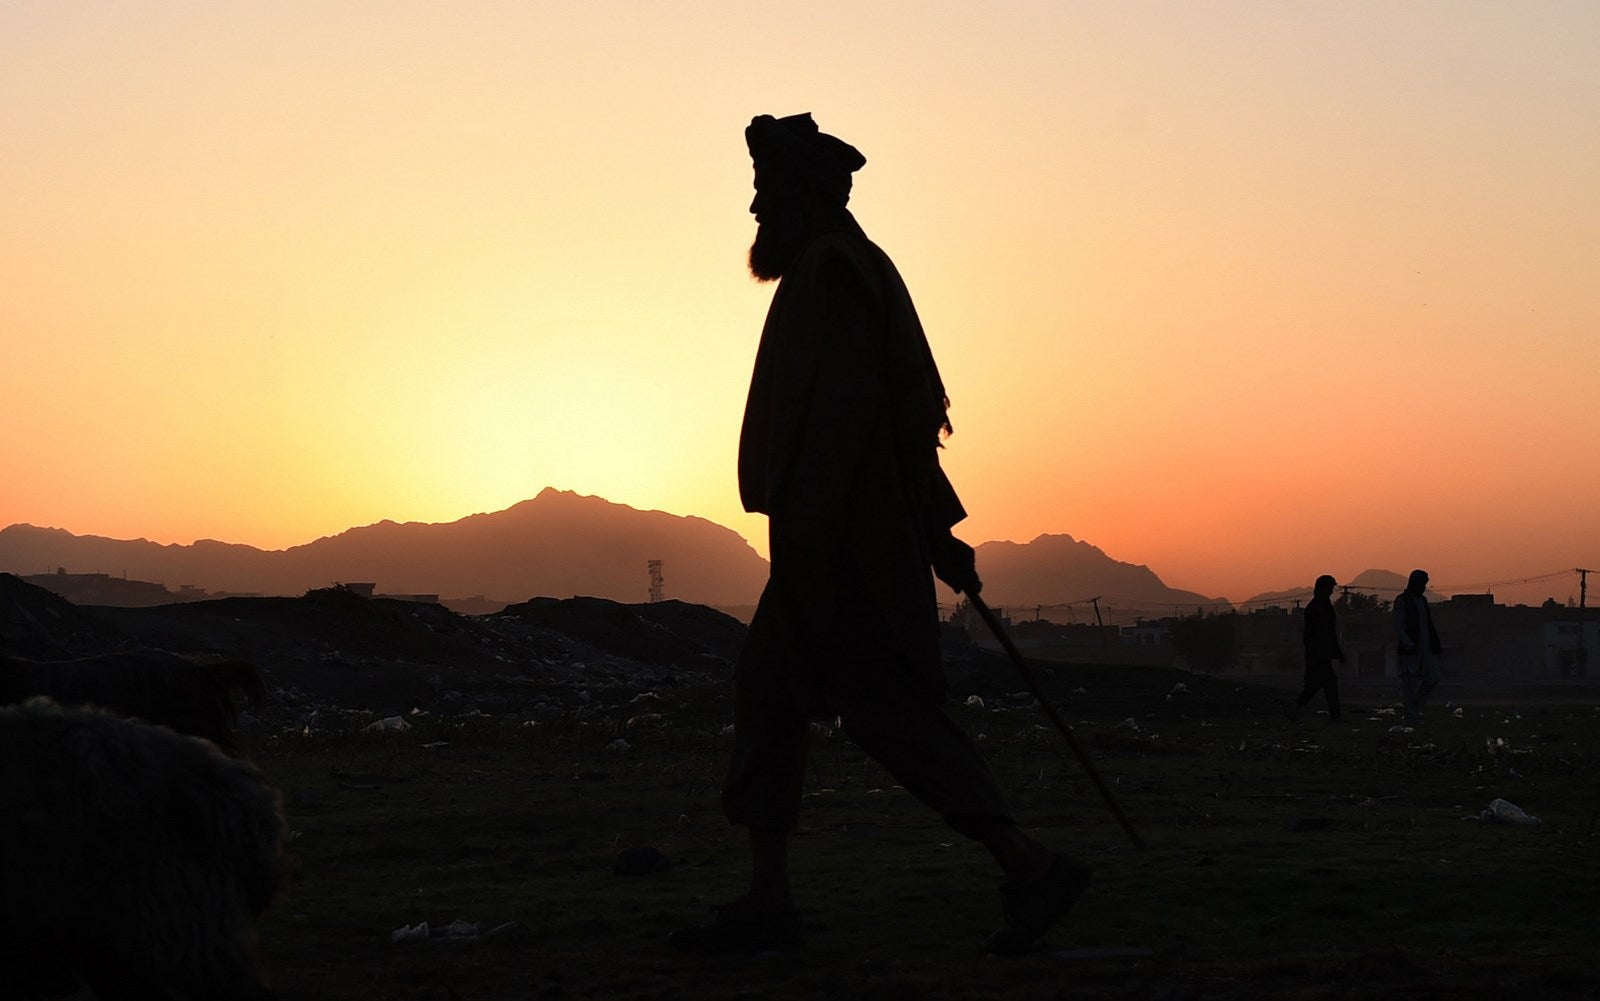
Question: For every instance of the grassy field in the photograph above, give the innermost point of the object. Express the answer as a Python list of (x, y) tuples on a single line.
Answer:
[(1285, 859)]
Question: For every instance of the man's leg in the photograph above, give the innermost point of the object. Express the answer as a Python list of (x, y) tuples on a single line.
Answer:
[(1308, 689), (1020, 857), (766, 772), (921, 745), (1408, 688), (1330, 689), (762, 791), (1427, 678), (769, 870)]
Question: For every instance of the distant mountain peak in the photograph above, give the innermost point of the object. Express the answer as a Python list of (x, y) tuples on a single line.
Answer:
[(1058, 569), (558, 544)]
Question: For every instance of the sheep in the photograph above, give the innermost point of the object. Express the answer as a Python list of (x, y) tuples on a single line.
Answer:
[(152, 685), (134, 857)]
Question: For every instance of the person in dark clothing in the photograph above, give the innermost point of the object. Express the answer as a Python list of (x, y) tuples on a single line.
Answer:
[(1418, 646), (839, 448), (1321, 639)]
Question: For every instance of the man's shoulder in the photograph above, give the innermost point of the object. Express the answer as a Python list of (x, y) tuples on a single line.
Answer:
[(841, 250)]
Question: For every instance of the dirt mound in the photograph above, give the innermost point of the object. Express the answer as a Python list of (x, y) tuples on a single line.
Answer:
[(663, 632), (39, 625), (333, 647)]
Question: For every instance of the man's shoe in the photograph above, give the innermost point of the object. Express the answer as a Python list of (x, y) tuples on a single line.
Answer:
[(739, 927), (1031, 908)]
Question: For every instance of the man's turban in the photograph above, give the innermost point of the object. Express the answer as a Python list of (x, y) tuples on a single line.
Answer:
[(794, 146)]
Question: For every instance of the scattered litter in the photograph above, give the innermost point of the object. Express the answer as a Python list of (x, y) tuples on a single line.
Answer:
[(1502, 812), (458, 932), (644, 719), (415, 711), (1401, 729), (1459, 713), (410, 934), (436, 743), (1385, 712), (975, 701), (619, 745), (1128, 724), (1080, 691), (396, 723), (1179, 689), (726, 731)]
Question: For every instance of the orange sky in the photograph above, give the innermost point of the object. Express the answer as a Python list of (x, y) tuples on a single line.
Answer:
[(1246, 292)]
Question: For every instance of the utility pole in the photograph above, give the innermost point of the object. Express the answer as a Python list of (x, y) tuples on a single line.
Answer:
[(1583, 598), (1095, 601)]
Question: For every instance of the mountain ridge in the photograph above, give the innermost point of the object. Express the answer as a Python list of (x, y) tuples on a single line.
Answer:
[(561, 544), (1055, 569)]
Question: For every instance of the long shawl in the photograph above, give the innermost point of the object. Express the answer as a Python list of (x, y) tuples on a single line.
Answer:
[(781, 386), (840, 449)]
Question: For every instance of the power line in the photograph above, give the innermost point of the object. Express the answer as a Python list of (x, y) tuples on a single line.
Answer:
[(1113, 602)]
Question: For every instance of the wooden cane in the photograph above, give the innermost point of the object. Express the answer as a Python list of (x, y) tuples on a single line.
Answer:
[(1055, 717)]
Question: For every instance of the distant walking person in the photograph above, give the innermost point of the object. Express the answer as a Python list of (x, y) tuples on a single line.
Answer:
[(1419, 647), (839, 449), (1321, 639)]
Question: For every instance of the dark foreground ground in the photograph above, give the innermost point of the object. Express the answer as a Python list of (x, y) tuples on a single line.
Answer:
[(1285, 860), (516, 757)]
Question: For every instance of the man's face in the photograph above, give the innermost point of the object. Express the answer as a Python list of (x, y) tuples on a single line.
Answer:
[(781, 226)]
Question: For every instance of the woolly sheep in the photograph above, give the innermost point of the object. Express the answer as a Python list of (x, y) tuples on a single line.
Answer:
[(135, 857)]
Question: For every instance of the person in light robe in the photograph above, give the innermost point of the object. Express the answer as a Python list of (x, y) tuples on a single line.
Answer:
[(1418, 647)]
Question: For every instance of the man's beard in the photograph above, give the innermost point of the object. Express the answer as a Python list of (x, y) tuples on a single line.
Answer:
[(775, 248)]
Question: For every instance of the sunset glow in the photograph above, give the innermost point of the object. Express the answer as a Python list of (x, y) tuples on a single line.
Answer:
[(1246, 292)]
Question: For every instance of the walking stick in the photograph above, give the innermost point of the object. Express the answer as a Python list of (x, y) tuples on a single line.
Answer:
[(1055, 717)]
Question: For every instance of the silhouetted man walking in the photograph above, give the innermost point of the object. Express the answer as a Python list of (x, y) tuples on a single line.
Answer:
[(1418, 643), (839, 449), (1321, 640)]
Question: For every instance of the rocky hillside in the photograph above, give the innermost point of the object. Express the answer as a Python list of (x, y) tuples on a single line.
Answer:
[(559, 543)]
